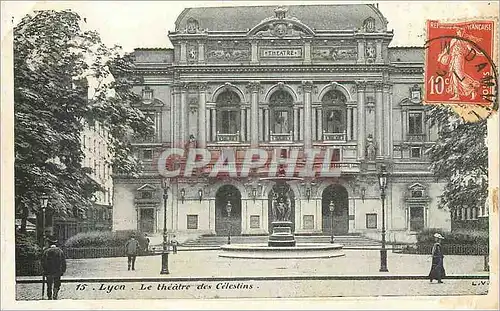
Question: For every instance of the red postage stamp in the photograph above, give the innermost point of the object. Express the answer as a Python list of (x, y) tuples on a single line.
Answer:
[(459, 66)]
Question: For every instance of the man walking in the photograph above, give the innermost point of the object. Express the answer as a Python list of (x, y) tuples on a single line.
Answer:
[(437, 269), (54, 266), (132, 248)]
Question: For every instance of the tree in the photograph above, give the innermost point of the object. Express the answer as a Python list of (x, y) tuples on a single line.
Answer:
[(460, 156), (54, 60)]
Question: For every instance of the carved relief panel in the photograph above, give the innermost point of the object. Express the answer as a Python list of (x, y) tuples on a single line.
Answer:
[(329, 50), (228, 51)]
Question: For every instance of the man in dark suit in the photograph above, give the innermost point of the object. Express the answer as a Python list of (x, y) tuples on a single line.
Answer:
[(54, 266)]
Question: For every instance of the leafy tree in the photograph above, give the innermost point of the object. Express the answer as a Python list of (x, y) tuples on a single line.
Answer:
[(460, 156), (54, 60)]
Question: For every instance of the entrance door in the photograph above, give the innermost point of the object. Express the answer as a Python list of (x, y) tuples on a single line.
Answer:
[(336, 195), (224, 222), (147, 220)]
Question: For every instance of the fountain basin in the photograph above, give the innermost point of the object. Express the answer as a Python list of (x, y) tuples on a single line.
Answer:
[(299, 251)]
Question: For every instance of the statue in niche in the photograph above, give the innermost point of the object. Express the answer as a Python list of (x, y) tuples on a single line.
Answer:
[(370, 148), (281, 205)]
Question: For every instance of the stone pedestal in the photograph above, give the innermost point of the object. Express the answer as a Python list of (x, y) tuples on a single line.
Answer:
[(282, 235)]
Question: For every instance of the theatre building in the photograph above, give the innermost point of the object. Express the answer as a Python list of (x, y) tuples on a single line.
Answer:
[(285, 80)]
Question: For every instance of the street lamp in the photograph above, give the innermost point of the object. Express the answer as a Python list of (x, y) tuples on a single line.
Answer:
[(382, 180), (44, 202), (228, 210), (332, 208), (164, 254)]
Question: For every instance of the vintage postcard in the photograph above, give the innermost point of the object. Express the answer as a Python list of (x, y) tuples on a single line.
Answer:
[(261, 155)]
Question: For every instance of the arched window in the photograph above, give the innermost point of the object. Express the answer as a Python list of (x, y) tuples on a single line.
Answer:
[(228, 115), (334, 115), (281, 118)]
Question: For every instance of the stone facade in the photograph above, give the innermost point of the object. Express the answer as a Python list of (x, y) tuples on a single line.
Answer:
[(285, 79)]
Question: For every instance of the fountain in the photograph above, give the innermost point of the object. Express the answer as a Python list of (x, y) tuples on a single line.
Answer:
[(281, 243)]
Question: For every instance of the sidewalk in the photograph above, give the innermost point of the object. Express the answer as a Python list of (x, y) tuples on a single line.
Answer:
[(207, 264)]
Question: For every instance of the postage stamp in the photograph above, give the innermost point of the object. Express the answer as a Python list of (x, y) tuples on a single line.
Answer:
[(256, 155), (459, 65)]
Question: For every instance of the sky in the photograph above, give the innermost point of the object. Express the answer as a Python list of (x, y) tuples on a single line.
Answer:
[(145, 24)]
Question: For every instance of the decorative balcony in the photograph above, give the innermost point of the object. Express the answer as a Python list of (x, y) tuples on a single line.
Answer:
[(225, 137), (415, 137), (334, 136), (149, 139), (281, 137)]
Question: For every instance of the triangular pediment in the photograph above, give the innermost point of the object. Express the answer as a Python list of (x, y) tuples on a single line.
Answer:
[(146, 187), (416, 186)]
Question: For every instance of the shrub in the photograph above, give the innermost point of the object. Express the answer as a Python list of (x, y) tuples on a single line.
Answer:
[(27, 254), (462, 236), (104, 239)]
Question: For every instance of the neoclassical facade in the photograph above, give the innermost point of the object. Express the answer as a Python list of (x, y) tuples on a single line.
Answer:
[(284, 80)]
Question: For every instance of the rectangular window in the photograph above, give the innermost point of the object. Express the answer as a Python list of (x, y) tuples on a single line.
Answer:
[(147, 154), (228, 121), (192, 221), (416, 218), (415, 152), (415, 123), (146, 195), (333, 121), (335, 153), (254, 221), (308, 221), (371, 221), (281, 121)]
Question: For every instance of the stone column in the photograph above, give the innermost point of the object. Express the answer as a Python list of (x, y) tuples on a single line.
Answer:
[(388, 140), (379, 120), (379, 59), (255, 51), (313, 124), (354, 123), (349, 117), (208, 131), (214, 124), (307, 89), (295, 123), (320, 123), (183, 115), (249, 123), (260, 125), (266, 124), (361, 51), (301, 125), (201, 52), (242, 124), (361, 87), (202, 118), (307, 52), (183, 52), (255, 125)]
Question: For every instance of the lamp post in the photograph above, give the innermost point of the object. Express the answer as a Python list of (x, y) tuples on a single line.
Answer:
[(164, 254), (332, 208), (44, 202), (382, 180), (228, 210)]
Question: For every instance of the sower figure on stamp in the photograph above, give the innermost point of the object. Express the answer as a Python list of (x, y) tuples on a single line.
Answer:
[(132, 248), (437, 268), (54, 266)]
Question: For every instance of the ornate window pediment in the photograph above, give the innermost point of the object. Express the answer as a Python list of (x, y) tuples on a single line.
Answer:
[(146, 194), (417, 192), (281, 26)]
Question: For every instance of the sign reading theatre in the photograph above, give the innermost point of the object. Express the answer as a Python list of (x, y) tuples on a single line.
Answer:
[(281, 52)]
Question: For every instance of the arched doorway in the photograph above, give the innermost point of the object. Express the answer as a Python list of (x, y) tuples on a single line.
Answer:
[(225, 194), (338, 195), (282, 188)]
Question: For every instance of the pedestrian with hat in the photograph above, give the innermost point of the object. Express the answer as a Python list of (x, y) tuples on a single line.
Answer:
[(132, 249), (54, 266), (437, 268)]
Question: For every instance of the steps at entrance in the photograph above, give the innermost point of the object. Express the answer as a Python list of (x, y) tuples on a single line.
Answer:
[(346, 240)]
